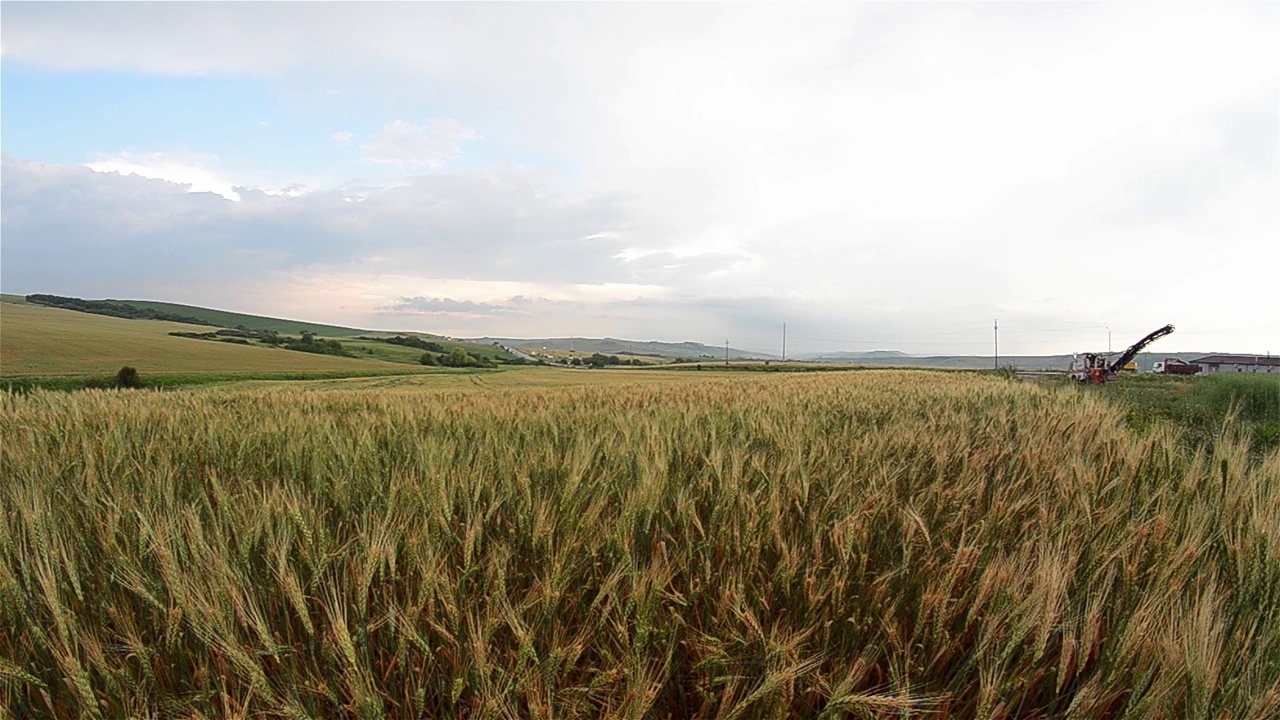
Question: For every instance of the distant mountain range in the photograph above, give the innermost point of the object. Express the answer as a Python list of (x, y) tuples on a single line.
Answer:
[(614, 346)]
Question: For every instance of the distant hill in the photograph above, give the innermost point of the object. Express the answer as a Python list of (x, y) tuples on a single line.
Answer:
[(982, 362), (50, 335), (38, 340), (614, 346), (224, 318), (846, 355)]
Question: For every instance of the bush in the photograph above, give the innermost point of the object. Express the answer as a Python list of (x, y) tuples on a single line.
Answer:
[(429, 359), (127, 377), (413, 342), (317, 347)]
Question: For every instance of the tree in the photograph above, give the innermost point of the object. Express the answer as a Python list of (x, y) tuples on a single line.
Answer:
[(308, 337), (429, 359), (127, 377), (458, 358)]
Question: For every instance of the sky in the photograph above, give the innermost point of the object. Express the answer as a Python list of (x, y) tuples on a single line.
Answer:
[(873, 175)]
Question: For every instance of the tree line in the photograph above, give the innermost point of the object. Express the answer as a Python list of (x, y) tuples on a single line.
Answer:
[(112, 308)]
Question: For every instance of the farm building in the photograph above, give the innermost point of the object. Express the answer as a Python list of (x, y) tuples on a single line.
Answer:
[(1238, 363)]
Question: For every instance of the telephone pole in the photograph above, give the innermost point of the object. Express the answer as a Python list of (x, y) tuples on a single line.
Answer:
[(995, 327), (784, 342), (726, 351)]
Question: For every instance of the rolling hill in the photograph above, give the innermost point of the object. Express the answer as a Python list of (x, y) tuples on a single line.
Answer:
[(45, 341), (208, 316)]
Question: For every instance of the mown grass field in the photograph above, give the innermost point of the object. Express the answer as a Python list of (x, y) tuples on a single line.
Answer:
[(45, 341), (872, 544)]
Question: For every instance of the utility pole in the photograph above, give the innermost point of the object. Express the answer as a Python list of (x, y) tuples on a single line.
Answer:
[(1108, 341), (784, 342), (726, 351), (995, 328)]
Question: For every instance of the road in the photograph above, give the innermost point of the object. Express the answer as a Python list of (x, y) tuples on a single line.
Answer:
[(517, 353)]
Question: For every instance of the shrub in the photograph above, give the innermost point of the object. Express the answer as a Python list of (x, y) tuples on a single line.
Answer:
[(429, 359)]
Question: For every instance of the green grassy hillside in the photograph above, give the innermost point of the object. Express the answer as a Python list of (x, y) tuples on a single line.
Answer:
[(223, 318), (45, 341), (360, 343)]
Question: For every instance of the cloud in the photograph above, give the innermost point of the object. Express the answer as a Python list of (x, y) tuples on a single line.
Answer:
[(444, 306), (427, 146), (193, 172), (61, 221), (342, 138)]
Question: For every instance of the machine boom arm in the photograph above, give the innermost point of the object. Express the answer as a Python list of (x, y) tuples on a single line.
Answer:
[(1137, 347)]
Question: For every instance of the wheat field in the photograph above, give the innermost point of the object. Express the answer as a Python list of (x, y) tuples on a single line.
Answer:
[(874, 544)]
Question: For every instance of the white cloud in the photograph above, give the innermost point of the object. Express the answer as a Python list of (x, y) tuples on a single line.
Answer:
[(342, 138), (427, 146), (198, 173), (194, 171)]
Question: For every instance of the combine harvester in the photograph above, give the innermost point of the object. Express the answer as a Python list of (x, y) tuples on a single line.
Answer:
[(1094, 368)]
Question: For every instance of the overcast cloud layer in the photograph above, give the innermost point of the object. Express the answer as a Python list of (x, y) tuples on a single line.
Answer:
[(875, 175)]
